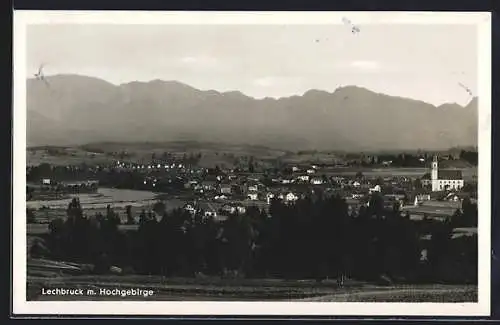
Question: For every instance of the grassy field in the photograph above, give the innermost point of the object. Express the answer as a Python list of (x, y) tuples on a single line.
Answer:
[(212, 153), (47, 274), (250, 289), (468, 173), (92, 204), (102, 153), (103, 197)]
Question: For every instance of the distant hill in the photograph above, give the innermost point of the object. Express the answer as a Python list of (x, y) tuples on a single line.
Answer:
[(78, 109)]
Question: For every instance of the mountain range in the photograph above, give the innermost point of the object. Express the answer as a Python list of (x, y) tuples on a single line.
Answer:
[(74, 109)]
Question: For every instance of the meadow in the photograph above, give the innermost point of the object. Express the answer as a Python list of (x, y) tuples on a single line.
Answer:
[(118, 199), (215, 288)]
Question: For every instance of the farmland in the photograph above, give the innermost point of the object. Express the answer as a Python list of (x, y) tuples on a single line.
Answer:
[(104, 196), (468, 173), (118, 199)]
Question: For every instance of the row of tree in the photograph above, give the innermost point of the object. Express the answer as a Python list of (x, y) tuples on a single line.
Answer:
[(411, 160), (309, 239)]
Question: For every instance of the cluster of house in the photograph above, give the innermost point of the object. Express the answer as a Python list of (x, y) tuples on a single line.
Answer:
[(151, 166), (230, 192), (49, 184), (215, 211)]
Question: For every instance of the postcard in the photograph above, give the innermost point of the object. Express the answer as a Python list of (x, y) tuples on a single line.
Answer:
[(252, 163)]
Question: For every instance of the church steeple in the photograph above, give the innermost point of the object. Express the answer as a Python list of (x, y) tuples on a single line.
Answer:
[(434, 171)]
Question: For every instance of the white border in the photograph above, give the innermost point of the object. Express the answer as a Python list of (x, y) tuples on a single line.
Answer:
[(20, 306)]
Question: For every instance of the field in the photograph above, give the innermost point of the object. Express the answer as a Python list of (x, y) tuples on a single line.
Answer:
[(118, 199), (212, 154), (468, 173), (215, 288)]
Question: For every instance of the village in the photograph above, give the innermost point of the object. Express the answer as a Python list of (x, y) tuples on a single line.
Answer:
[(218, 193)]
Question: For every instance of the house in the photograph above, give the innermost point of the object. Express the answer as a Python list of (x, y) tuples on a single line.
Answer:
[(311, 171), (304, 178), (453, 197), (316, 180), (208, 210), (287, 181), (241, 209), (208, 185), (228, 208), (426, 180), (253, 196), (291, 197), (442, 180), (190, 207), (220, 197), (46, 181), (269, 197), (210, 214), (295, 169), (252, 188), (233, 208), (225, 189), (419, 198), (357, 196)]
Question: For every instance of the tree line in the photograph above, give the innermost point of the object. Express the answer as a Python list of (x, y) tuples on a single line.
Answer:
[(313, 238)]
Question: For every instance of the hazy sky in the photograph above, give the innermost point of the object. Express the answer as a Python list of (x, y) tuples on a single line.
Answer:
[(424, 62)]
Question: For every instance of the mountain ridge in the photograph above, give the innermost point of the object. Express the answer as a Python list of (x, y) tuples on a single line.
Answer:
[(179, 83), (351, 117)]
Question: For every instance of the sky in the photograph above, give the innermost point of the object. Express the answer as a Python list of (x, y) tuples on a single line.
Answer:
[(423, 62)]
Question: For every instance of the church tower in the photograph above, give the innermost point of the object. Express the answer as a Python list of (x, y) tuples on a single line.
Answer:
[(434, 173)]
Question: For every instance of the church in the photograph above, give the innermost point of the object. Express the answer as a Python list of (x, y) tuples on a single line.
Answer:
[(442, 180)]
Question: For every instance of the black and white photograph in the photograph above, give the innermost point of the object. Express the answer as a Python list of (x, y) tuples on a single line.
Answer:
[(266, 163)]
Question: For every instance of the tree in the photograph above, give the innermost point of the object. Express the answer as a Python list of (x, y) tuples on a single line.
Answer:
[(159, 207), (30, 216), (439, 248), (130, 217), (417, 184)]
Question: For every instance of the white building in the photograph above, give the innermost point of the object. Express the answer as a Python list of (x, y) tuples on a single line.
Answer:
[(190, 208), (253, 196), (316, 180), (253, 188), (291, 197), (304, 178), (442, 180), (421, 198)]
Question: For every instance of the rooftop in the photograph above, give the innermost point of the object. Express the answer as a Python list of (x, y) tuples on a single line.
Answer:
[(450, 174)]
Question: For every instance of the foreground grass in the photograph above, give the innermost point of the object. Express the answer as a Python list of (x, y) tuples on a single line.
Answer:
[(184, 289)]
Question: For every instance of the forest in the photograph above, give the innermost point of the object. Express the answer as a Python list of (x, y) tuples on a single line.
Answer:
[(313, 238)]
